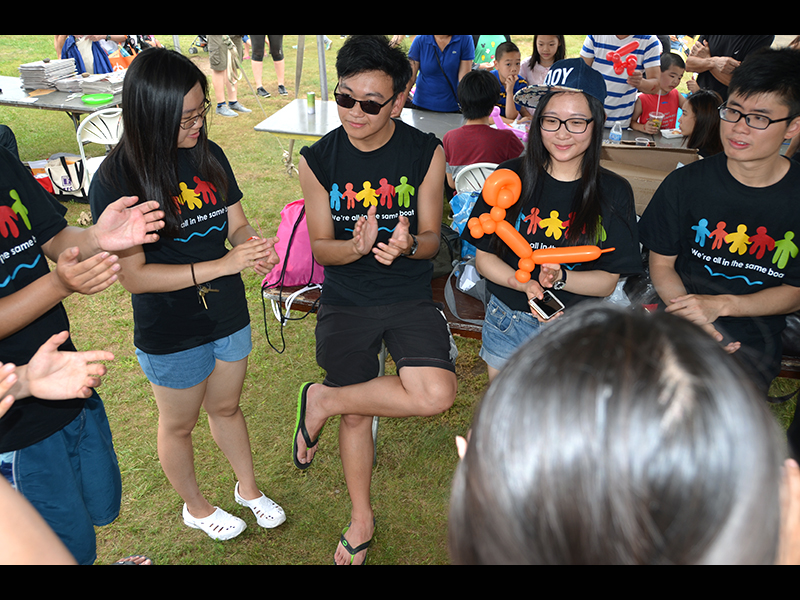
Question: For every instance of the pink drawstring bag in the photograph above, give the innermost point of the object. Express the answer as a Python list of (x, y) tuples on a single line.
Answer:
[(297, 265)]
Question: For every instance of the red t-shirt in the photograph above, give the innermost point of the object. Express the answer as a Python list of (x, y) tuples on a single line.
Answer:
[(668, 105)]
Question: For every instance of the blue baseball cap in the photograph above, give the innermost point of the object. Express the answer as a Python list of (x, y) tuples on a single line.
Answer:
[(569, 75)]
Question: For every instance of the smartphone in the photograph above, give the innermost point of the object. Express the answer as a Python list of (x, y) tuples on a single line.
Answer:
[(548, 307)]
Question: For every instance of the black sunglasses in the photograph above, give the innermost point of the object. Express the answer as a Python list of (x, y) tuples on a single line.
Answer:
[(370, 107)]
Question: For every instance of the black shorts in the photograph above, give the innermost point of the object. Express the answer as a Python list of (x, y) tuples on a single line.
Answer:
[(349, 339)]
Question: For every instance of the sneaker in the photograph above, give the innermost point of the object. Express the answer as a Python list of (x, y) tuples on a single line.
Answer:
[(262, 92), (282, 91), (222, 109), (238, 107)]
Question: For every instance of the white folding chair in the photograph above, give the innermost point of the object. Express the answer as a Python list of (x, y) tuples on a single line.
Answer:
[(471, 178), (101, 127)]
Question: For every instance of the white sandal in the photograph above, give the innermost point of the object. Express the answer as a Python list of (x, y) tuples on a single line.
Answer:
[(219, 525), (268, 514)]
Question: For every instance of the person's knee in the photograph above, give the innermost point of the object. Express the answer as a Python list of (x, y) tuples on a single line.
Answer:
[(356, 421), (176, 429), (437, 394), (223, 410)]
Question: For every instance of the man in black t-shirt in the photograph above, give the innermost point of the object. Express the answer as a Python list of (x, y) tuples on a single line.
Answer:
[(374, 191), (722, 232)]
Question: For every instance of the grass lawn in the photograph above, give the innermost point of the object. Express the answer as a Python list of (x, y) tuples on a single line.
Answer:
[(416, 456)]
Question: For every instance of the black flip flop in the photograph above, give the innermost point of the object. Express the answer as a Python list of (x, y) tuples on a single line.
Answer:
[(357, 549), (300, 426)]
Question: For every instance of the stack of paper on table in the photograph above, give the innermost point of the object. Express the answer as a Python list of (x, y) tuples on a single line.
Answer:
[(106, 83), (44, 74)]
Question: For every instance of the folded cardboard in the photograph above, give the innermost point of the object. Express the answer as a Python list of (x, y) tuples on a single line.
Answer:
[(644, 167)]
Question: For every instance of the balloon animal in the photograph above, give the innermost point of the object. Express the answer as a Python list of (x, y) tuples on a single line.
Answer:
[(616, 58), (500, 191)]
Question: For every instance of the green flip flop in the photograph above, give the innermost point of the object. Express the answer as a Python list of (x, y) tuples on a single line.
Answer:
[(300, 426), (357, 549)]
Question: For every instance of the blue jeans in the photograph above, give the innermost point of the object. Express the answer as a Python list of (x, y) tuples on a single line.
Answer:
[(504, 331), (72, 478)]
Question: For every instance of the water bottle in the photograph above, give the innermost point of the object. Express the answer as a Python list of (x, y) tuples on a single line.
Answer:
[(616, 133)]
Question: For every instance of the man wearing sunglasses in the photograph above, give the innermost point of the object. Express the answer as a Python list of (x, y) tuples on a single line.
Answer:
[(374, 191), (723, 232)]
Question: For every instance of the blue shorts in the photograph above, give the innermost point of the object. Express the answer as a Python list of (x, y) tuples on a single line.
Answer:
[(72, 478), (185, 369), (504, 331)]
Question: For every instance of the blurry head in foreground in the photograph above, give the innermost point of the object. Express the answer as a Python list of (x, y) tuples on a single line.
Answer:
[(619, 437)]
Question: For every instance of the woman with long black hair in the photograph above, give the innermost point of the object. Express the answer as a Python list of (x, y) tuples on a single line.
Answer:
[(191, 323), (567, 199)]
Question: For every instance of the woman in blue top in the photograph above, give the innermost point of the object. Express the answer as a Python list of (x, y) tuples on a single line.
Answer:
[(438, 62)]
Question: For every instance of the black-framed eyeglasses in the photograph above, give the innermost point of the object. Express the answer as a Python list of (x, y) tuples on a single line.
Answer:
[(192, 121), (756, 121), (370, 107), (574, 125)]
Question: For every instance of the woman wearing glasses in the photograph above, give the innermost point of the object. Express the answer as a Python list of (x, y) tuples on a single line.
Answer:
[(191, 323), (566, 200)]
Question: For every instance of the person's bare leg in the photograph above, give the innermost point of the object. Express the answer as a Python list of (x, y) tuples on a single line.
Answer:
[(227, 423), (417, 391), (280, 69), (218, 79), (178, 411), (356, 451)]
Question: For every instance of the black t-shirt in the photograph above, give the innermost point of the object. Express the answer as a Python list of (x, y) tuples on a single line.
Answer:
[(29, 217), (543, 220), (175, 321), (389, 178), (729, 239), (734, 46)]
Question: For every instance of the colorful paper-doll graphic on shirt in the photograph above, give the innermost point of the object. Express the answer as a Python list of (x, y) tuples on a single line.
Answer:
[(553, 226), (738, 246), (15, 226), (11, 215), (193, 200), (348, 197)]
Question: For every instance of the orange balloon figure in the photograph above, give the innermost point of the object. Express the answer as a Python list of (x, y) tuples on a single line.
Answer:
[(500, 191)]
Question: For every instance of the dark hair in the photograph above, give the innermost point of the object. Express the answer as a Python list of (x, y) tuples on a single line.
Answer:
[(363, 53), (705, 135), (586, 209), (505, 48), (478, 93), (146, 158), (619, 437), (670, 59), (561, 53), (768, 71)]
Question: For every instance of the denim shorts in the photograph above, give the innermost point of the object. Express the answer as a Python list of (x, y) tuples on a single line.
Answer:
[(72, 479), (504, 331), (185, 369)]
